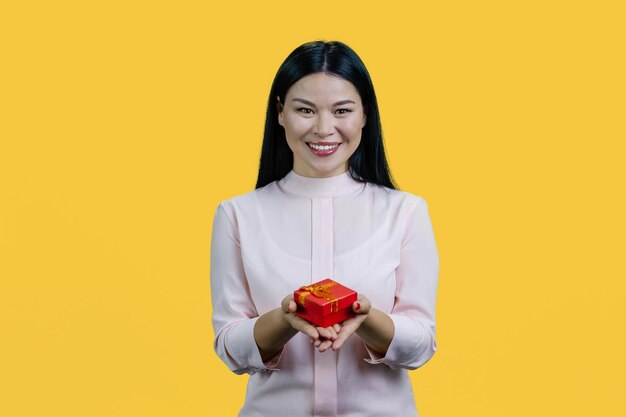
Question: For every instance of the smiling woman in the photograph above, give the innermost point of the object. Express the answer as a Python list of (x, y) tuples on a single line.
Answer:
[(324, 206), (331, 76), (323, 117)]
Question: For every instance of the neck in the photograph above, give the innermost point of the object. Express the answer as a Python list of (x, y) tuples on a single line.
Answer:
[(328, 187)]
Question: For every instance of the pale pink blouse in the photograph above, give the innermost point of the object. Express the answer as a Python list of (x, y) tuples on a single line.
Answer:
[(297, 231)]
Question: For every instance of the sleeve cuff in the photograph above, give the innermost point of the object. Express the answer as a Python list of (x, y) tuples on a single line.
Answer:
[(244, 350), (407, 347)]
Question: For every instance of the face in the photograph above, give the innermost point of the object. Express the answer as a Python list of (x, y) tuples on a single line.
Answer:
[(323, 118)]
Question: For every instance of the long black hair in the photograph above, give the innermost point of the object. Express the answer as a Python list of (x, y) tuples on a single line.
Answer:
[(368, 163)]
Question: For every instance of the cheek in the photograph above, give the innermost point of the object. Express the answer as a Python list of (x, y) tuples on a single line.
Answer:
[(351, 129), (296, 125)]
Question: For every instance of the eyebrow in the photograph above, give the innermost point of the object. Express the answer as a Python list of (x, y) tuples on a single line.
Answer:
[(307, 102)]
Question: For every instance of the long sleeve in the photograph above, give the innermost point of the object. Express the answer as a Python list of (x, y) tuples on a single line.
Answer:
[(234, 314), (413, 314)]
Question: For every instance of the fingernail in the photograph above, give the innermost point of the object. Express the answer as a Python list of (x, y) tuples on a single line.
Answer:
[(358, 306)]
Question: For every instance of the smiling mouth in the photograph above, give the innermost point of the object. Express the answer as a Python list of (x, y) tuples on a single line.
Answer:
[(323, 149)]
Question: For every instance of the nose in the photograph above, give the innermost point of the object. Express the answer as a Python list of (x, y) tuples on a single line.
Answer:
[(324, 125)]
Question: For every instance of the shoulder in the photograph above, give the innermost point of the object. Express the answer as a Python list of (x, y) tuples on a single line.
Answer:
[(245, 202), (396, 197), (402, 206)]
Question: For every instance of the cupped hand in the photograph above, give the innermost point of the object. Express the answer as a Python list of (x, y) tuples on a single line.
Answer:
[(361, 307), (321, 337), (325, 342)]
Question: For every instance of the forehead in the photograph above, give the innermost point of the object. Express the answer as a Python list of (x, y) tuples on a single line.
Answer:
[(323, 87)]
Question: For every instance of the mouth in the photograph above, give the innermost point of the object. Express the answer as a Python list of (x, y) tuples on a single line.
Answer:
[(322, 148)]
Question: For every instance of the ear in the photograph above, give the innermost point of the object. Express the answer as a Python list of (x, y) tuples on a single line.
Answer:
[(364, 120), (279, 110)]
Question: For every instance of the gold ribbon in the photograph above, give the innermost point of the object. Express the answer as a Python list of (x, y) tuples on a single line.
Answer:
[(319, 290)]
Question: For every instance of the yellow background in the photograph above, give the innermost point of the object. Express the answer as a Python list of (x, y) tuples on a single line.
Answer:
[(124, 123)]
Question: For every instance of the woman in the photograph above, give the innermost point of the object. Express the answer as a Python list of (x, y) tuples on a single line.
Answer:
[(324, 207)]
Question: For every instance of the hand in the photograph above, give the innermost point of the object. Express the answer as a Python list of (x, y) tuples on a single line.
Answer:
[(321, 337), (323, 343), (361, 307)]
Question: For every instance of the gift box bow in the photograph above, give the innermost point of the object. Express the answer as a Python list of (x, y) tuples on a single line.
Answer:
[(320, 290)]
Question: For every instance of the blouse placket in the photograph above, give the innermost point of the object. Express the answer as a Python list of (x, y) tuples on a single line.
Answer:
[(325, 363)]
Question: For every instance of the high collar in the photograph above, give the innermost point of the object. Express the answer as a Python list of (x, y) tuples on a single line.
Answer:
[(329, 187)]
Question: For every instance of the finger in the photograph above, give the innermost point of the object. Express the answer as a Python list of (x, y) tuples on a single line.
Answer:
[(317, 342), (285, 303), (324, 332), (308, 330), (337, 344), (341, 338), (362, 306), (333, 333), (327, 332), (325, 345), (301, 325), (337, 327), (292, 306)]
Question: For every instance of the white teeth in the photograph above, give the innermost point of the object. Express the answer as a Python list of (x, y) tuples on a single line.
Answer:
[(323, 147)]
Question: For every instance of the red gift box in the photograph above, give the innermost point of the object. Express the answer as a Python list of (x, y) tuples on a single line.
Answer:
[(325, 303)]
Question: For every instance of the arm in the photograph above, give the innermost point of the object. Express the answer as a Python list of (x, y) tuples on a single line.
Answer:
[(234, 314), (406, 337), (377, 331), (272, 333), (375, 328), (413, 314), (274, 329), (246, 342)]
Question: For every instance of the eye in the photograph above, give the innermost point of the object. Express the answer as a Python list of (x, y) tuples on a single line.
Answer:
[(343, 111), (305, 110)]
